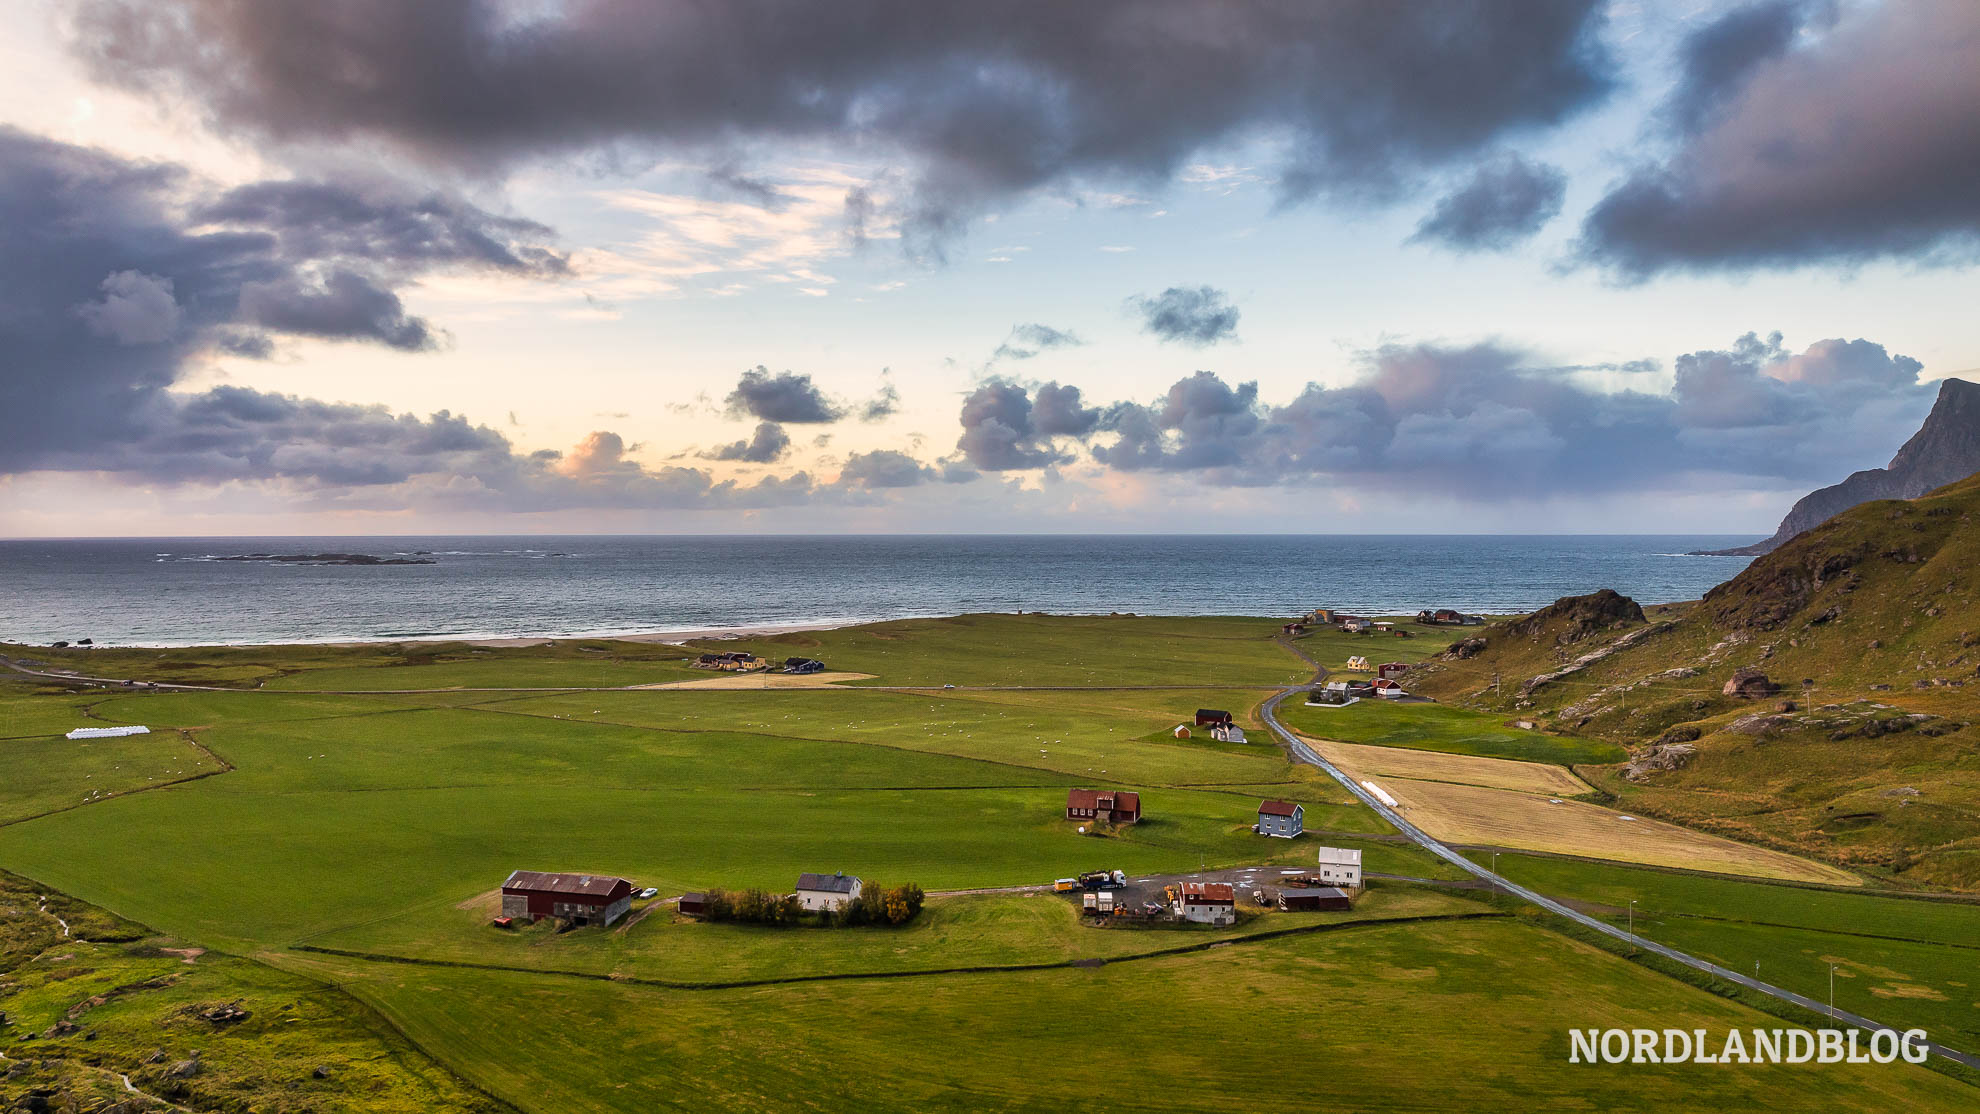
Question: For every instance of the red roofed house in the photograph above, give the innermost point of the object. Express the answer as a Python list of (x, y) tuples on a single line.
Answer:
[(1391, 670), (1208, 903), (1281, 818), (1389, 689), (578, 898), (1116, 806)]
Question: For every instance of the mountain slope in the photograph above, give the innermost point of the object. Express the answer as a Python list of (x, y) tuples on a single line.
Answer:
[(1945, 448), (1819, 701)]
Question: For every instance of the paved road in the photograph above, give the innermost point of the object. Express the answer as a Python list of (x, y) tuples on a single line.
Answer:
[(1269, 711)]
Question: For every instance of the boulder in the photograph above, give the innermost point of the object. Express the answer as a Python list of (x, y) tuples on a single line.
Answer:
[(1750, 684)]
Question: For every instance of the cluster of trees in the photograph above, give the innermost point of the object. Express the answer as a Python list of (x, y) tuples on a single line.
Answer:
[(881, 905), (875, 905), (753, 907)]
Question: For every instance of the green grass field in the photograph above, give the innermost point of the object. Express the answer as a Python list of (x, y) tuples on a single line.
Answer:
[(1446, 728), (380, 822), (1451, 1015)]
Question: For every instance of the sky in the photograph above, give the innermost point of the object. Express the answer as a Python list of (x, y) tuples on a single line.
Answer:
[(522, 266)]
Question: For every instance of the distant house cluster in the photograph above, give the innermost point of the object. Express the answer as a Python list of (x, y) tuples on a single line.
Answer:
[(1346, 622), (1446, 617), (731, 661)]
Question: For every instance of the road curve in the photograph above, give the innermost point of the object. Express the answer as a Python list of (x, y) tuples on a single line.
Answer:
[(1269, 712)]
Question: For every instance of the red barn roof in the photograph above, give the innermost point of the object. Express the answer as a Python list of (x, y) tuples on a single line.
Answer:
[(1277, 808), (593, 887), (1208, 893)]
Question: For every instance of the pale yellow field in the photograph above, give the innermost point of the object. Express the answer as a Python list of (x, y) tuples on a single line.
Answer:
[(764, 681), (1465, 769), (1471, 814)]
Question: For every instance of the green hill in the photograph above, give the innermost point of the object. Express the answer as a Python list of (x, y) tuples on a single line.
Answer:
[(1822, 701)]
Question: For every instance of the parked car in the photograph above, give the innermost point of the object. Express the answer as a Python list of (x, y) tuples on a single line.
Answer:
[(649, 891)]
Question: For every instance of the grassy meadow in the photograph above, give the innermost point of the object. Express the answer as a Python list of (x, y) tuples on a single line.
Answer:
[(374, 798), (1446, 728)]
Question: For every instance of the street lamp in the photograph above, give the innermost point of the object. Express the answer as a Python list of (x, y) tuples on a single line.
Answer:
[(1832, 990), (1495, 872)]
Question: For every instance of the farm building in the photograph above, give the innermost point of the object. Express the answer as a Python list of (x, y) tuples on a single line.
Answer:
[(803, 665), (1329, 697), (1208, 903), (1391, 690), (107, 732), (729, 660), (1293, 628), (1116, 806), (827, 891), (1320, 615), (1341, 866), (1281, 818), (694, 905), (1182, 731), (1356, 626), (1356, 663), (1322, 899), (578, 898), (1208, 717), (1391, 670), (1227, 733)]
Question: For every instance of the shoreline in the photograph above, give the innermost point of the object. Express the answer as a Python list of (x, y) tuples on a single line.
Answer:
[(672, 637)]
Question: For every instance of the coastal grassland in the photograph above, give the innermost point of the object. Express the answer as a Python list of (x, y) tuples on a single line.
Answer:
[(1098, 651), (1105, 736), (1443, 727), (47, 774), (1446, 1015), (972, 930), (131, 1000), (1906, 961)]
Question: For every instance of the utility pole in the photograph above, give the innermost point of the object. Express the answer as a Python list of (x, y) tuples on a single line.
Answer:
[(1832, 991)]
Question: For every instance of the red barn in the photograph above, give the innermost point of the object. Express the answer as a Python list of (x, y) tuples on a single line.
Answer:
[(1112, 805), (1212, 717), (578, 898), (1391, 670)]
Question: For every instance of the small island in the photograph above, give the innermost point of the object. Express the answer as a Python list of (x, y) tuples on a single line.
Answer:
[(328, 559)]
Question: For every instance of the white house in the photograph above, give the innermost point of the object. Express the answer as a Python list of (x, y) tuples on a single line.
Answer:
[(1208, 903), (827, 891), (1227, 733), (1341, 866)]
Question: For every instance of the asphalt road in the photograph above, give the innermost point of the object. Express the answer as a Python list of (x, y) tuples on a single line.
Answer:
[(1269, 711)]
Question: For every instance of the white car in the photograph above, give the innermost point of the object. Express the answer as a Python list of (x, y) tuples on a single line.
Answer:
[(649, 892)]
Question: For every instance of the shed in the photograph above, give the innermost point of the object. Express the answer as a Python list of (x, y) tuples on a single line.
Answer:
[(1322, 899), (1182, 731), (1281, 818), (828, 891), (694, 905), (1209, 717), (1391, 670), (578, 898), (1116, 806), (1341, 866)]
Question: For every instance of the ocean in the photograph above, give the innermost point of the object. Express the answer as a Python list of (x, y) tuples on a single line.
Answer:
[(175, 592)]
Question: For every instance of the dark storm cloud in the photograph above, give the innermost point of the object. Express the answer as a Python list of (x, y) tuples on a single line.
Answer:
[(783, 397), (1504, 203), (768, 444), (1715, 60), (1192, 315), (1004, 429), (1862, 143), (117, 275), (984, 102), (1481, 422), (1028, 340)]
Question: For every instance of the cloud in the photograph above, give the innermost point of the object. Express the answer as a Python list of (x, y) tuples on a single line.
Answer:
[(135, 309), (120, 276), (783, 397), (885, 403), (980, 105), (1005, 430), (767, 445), (1482, 422), (884, 468), (1504, 203), (1715, 60), (1192, 315), (1843, 147), (1028, 340)]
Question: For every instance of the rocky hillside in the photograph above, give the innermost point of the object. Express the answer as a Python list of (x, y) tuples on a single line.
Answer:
[(1820, 701), (1945, 449)]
